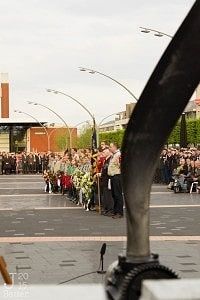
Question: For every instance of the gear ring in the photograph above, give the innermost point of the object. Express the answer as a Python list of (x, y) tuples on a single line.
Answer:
[(131, 286)]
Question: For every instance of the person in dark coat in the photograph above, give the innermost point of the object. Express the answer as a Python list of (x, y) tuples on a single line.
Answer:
[(107, 200), (24, 163), (6, 165)]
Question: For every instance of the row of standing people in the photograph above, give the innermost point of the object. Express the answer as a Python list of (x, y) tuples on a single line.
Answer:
[(23, 163), (94, 175)]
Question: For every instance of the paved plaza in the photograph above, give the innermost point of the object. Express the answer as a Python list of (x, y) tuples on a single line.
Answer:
[(48, 239)]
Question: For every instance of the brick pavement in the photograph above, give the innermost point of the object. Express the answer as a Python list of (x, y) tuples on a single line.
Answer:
[(52, 245), (55, 262)]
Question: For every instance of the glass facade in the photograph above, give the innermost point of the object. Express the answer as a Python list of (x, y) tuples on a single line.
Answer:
[(13, 137)]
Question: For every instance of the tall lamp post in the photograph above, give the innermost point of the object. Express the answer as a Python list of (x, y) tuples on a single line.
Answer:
[(157, 33), (183, 127), (100, 123), (48, 136), (83, 106), (91, 71), (74, 127), (55, 113)]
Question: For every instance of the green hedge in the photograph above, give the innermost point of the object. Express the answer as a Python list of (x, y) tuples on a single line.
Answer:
[(193, 134), (113, 136)]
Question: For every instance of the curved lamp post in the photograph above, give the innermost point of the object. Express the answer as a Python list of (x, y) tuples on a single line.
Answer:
[(100, 123), (78, 102), (183, 129), (55, 113), (91, 71), (74, 127), (155, 32), (98, 127), (48, 136)]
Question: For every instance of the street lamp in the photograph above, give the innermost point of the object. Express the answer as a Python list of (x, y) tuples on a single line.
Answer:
[(25, 113), (91, 71), (55, 113), (157, 33), (114, 114), (98, 127), (74, 127), (183, 126), (78, 102)]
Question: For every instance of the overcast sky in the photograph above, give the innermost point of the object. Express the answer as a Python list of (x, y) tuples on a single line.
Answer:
[(43, 42)]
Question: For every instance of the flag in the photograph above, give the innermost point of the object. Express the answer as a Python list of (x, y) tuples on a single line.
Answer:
[(94, 147), (94, 138)]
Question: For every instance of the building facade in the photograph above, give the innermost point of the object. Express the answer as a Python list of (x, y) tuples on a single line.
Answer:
[(53, 139), (192, 110), (4, 94), (18, 137), (120, 122)]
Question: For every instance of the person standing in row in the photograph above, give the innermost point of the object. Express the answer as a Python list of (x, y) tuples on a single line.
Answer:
[(114, 171), (107, 200)]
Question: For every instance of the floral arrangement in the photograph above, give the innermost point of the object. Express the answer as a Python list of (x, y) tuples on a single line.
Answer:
[(83, 183), (86, 186), (77, 178)]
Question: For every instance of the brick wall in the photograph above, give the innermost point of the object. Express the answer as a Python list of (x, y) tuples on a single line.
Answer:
[(38, 140), (4, 95)]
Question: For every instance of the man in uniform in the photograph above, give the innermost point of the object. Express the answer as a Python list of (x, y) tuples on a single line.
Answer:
[(114, 172)]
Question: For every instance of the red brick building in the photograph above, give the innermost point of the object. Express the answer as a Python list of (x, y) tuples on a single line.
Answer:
[(52, 139), (4, 94)]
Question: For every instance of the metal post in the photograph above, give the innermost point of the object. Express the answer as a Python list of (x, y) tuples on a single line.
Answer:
[(75, 100), (91, 71), (55, 113), (46, 131)]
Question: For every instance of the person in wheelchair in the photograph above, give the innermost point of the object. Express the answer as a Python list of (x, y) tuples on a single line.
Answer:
[(180, 181)]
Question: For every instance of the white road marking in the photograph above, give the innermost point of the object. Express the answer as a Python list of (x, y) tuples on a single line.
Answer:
[(58, 207), (22, 182), (39, 233), (18, 234), (160, 227), (79, 207), (93, 239), (174, 205), (161, 193), (18, 188), (29, 195)]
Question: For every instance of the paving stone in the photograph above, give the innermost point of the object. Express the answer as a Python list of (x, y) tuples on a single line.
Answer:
[(53, 262)]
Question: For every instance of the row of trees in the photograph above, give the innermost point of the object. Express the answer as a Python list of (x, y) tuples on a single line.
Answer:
[(84, 139), (193, 134)]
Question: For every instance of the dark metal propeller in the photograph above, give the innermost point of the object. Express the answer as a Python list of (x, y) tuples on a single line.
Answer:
[(164, 98)]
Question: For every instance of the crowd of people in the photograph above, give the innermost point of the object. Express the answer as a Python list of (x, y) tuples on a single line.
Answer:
[(183, 164), (23, 163), (93, 178)]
